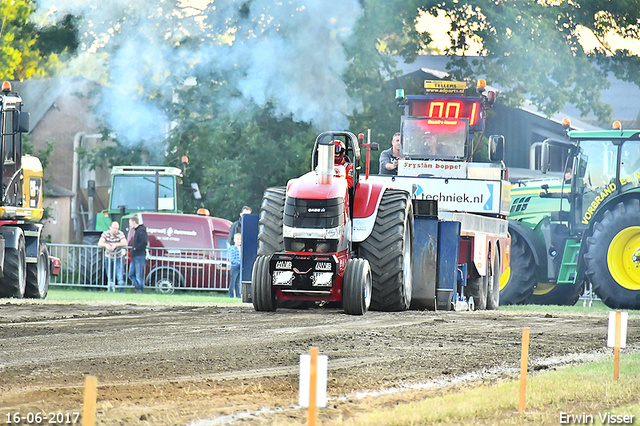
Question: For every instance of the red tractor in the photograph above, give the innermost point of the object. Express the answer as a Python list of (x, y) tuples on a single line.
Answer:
[(330, 237)]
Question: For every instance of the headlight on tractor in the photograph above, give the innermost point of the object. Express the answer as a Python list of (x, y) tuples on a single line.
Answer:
[(322, 279), (283, 278)]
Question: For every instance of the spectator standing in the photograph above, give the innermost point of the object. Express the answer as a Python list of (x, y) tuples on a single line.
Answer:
[(138, 253), (114, 242), (389, 157), (236, 227), (235, 259)]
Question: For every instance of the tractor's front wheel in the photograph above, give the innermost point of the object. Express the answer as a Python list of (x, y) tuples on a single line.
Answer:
[(264, 298), (356, 287), (521, 278), (613, 256), (555, 294), (389, 251)]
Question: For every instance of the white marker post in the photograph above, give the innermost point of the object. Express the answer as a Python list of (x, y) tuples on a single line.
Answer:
[(313, 382), (617, 338)]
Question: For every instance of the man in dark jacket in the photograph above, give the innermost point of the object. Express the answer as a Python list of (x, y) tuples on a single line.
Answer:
[(138, 253), (236, 227)]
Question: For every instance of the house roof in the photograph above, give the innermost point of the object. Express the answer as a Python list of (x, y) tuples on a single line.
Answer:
[(39, 96), (621, 95), (55, 191)]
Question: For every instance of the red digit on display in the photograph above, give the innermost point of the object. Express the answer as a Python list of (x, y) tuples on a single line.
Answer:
[(455, 106), (472, 118), (434, 105)]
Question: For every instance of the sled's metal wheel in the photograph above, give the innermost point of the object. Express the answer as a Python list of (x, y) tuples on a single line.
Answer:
[(493, 285)]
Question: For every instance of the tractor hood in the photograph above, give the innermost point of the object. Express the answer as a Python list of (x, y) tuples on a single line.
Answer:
[(307, 186)]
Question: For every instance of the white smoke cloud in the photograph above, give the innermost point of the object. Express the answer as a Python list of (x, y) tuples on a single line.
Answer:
[(288, 53)]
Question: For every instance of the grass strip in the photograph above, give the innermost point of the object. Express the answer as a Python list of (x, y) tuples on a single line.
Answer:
[(586, 390), (65, 295)]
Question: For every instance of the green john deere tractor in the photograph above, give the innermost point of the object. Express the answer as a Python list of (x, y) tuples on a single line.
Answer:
[(583, 228)]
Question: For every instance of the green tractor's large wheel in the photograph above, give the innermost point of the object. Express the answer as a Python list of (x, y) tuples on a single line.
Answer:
[(389, 252), (519, 280), (613, 256), (555, 294), (91, 261)]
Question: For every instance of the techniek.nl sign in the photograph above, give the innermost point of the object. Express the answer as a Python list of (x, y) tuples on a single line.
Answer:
[(461, 195)]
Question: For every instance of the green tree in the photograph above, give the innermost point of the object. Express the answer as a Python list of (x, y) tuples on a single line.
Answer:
[(25, 50), (241, 136)]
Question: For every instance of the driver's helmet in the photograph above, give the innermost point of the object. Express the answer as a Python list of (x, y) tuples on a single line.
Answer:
[(340, 151)]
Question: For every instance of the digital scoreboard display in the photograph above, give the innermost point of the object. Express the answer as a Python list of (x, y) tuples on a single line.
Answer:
[(458, 108)]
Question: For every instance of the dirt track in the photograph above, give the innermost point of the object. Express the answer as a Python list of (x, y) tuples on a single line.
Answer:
[(172, 365)]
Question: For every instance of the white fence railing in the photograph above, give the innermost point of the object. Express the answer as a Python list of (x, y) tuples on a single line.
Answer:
[(166, 269)]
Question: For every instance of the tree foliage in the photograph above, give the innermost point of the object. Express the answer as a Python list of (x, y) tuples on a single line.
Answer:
[(265, 73), (28, 51), (532, 49)]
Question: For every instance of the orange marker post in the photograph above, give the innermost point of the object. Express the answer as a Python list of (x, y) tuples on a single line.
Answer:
[(90, 395), (524, 361), (313, 379), (616, 347)]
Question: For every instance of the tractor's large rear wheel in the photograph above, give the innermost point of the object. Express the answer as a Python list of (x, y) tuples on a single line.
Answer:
[(264, 298), (613, 256), (270, 239), (91, 261), (356, 287), (555, 294), (389, 251), (14, 281), (38, 274), (520, 278)]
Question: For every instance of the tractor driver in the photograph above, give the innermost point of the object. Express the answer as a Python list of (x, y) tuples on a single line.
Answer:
[(340, 159)]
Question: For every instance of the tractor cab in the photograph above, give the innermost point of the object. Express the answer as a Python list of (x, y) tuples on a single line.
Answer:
[(602, 165)]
